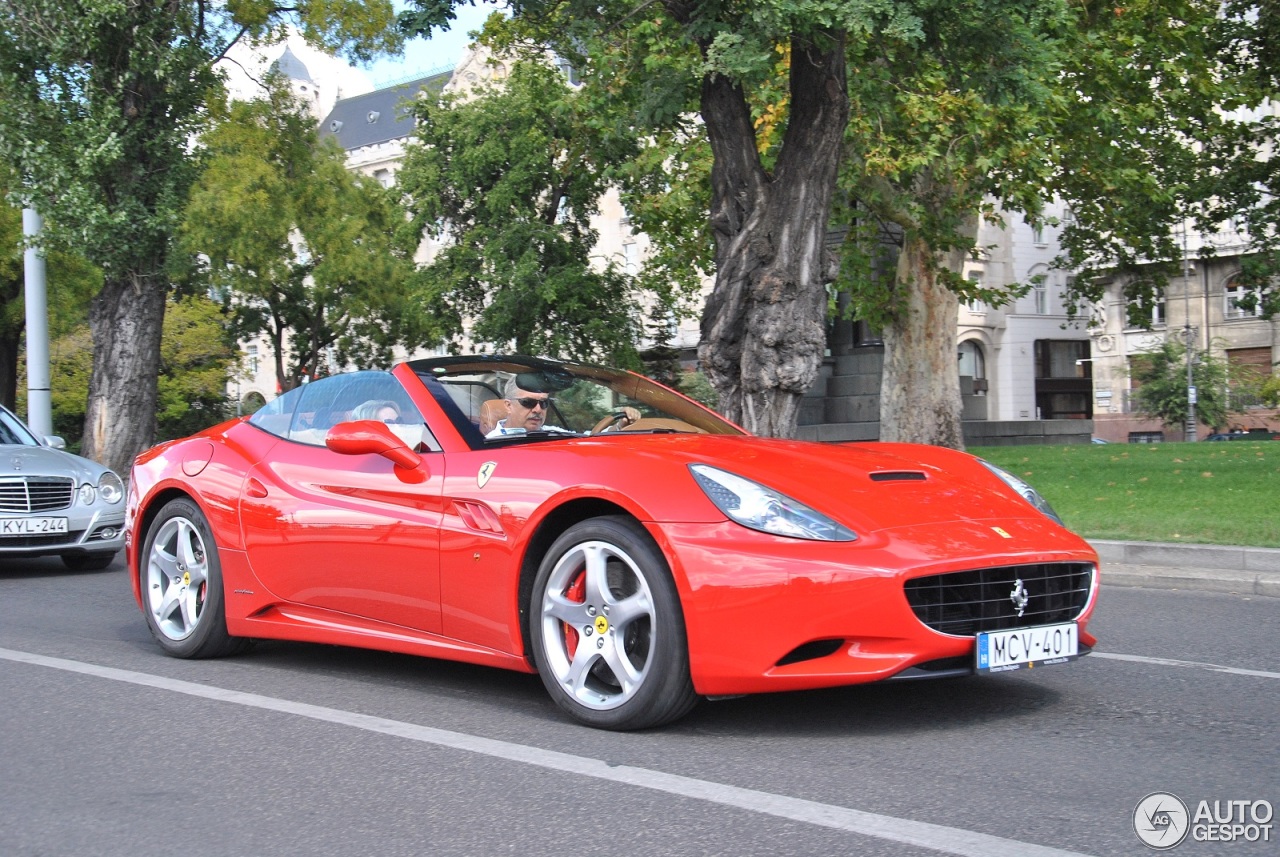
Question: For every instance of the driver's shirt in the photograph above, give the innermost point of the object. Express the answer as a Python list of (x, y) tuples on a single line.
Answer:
[(501, 429)]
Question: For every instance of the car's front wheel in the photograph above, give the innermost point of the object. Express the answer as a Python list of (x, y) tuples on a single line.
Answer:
[(607, 628), (182, 590)]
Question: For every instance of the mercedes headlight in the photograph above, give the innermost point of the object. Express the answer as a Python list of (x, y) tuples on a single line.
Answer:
[(759, 508), (111, 487), (1024, 490)]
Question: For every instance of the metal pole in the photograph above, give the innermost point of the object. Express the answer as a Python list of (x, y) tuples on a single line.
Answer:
[(39, 396), (1192, 422)]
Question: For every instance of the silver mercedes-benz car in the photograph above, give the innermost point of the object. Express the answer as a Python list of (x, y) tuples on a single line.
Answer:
[(55, 503)]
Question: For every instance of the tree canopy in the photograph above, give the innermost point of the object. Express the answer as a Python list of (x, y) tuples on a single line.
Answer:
[(105, 98), (303, 251), (507, 179)]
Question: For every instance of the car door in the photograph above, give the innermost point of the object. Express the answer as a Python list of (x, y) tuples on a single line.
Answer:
[(350, 534)]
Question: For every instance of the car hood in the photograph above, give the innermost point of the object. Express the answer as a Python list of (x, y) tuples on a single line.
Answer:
[(867, 486), (44, 461)]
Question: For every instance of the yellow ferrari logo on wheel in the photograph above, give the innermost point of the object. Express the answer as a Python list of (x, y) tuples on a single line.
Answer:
[(602, 624)]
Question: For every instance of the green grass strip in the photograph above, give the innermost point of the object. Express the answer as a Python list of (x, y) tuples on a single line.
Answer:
[(1199, 493)]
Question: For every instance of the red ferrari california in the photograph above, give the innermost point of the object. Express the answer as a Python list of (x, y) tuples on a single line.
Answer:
[(630, 546)]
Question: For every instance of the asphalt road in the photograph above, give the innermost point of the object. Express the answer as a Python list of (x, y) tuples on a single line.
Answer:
[(109, 748)]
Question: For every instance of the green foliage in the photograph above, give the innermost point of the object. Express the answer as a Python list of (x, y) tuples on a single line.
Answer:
[(70, 364), (1269, 393), (197, 355), (302, 250), (1163, 394), (508, 179), (102, 99), (1158, 129), (696, 386), (938, 132)]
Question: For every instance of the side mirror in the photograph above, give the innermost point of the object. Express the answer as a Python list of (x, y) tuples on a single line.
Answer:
[(365, 437), (53, 441)]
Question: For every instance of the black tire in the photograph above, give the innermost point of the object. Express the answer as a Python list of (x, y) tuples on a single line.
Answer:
[(604, 584), (181, 579), (88, 561)]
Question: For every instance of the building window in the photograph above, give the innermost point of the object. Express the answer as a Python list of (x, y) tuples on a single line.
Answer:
[(973, 364), (1040, 291), (1233, 294), (251, 359), (1144, 314), (1061, 358), (1064, 386), (630, 258), (975, 305)]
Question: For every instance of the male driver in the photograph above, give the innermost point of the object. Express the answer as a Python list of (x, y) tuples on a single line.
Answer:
[(528, 412)]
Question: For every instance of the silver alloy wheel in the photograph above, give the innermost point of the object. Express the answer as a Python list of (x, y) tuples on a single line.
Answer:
[(177, 578), (598, 621)]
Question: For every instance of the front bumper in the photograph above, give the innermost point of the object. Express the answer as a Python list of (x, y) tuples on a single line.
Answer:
[(764, 613), (94, 532)]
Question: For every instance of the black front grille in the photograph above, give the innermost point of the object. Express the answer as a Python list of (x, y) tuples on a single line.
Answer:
[(10, 542), (35, 493), (966, 603)]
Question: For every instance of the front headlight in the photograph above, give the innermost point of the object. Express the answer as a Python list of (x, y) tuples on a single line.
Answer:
[(88, 494), (1024, 490), (111, 487), (759, 508)]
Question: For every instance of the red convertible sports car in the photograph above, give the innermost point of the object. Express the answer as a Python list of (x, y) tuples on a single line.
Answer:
[(627, 544)]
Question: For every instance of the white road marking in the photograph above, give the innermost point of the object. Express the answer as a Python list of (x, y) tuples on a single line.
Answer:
[(1167, 662), (949, 840)]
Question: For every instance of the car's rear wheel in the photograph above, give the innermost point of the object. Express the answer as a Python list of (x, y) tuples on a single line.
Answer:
[(182, 590), (88, 561), (607, 628)]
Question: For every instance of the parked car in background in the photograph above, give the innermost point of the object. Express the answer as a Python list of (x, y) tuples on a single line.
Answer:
[(54, 503), (1251, 434), (630, 546)]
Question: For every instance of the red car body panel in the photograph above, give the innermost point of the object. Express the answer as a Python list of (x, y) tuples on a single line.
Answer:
[(326, 547)]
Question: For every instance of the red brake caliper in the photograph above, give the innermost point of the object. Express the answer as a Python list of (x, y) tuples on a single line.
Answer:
[(576, 592)]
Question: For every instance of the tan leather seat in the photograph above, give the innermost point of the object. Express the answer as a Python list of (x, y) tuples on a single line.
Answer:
[(490, 412)]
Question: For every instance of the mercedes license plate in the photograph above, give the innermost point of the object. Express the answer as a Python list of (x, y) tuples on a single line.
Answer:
[(32, 526), (1021, 648)]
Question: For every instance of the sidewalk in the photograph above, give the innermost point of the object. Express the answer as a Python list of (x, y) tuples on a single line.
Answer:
[(1205, 568)]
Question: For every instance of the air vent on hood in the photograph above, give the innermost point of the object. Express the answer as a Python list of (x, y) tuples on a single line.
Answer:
[(898, 476)]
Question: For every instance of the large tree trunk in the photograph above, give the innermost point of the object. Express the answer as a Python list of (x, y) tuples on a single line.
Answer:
[(763, 329), (120, 417), (920, 388)]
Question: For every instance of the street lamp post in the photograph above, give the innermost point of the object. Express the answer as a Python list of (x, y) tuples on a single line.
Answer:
[(1189, 335)]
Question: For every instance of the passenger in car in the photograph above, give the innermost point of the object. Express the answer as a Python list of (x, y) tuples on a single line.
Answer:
[(377, 409)]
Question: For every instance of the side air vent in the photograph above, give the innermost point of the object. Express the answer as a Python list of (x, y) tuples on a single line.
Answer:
[(810, 651)]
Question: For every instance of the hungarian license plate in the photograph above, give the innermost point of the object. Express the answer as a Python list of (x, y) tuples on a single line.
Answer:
[(1022, 648), (32, 526)]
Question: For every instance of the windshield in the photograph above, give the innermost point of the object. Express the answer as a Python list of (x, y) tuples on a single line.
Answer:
[(501, 399), (14, 433)]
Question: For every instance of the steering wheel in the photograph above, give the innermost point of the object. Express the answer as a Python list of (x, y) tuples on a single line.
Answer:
[(609, 420)]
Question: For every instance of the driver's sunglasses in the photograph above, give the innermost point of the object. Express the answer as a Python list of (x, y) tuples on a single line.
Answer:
[(531, 403)]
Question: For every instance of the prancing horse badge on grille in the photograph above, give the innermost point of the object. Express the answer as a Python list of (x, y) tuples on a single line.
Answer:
[(1019, 596)]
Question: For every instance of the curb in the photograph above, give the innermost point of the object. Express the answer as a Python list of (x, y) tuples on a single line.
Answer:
[(1201, 568)]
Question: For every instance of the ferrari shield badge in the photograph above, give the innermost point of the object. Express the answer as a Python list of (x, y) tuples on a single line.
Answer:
[(1001, 532), (486, 470)]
